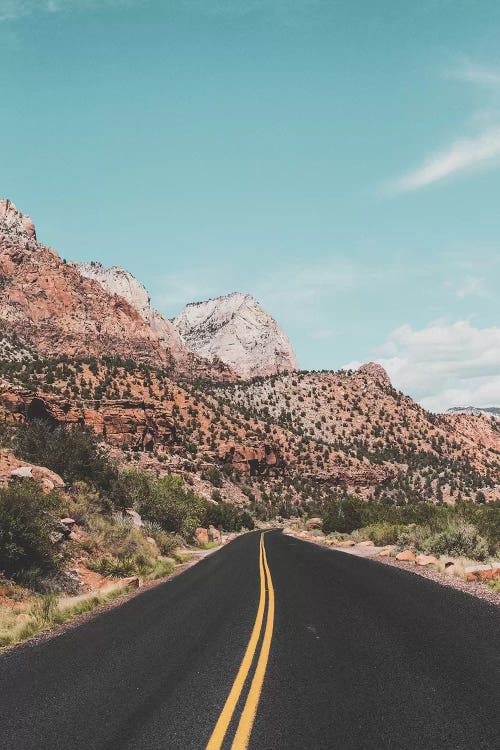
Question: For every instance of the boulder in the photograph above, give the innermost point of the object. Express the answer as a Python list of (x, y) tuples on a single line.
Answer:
[(135, 518), (367, 543), (214, 534), (406, 556), (483, 573), (347, 543), (201, 535), (426, 560), (386, 552)]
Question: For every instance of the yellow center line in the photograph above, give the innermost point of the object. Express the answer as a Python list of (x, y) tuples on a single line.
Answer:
[(247, 718), (220, 729)]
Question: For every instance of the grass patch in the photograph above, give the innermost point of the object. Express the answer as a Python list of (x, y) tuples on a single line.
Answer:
[(48, 612)]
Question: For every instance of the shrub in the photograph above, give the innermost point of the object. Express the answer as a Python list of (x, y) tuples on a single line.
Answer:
[(344, 515), (165, 541), (27, 520), (228, 516), (460, 540), (381, 533), (75, 454)]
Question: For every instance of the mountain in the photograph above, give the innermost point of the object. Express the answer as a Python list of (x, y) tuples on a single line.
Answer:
[(118, 282), (237, 330), (488, 411), (54, 309)]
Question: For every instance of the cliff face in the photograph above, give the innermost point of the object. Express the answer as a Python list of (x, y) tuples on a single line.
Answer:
[(54, 309), (118, 282), (236, 329)]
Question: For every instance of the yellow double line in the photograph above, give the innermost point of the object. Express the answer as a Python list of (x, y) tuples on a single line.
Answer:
[(247, 717)]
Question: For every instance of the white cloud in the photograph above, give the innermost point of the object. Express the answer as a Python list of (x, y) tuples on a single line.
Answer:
[(471, 72), (472, 287), (445, 364), (461, 155)]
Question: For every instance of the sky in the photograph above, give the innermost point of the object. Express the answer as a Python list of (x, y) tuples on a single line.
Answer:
[(338, 160)]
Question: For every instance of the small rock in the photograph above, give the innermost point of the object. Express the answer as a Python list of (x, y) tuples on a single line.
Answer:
[(347, 543), (367, 543), (406, 556), (426, 560), (68, 521), (385, 552)]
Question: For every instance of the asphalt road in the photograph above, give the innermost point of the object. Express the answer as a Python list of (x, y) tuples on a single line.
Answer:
[(355, 655)]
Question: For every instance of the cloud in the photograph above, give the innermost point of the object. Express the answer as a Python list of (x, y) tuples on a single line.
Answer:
[(470, 72), (461, 155), (472, 287), (444, 364)]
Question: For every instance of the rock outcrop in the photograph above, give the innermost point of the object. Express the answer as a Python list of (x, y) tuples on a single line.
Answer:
[(14, 223), (375, 371), (125, 423), (118, 282), (237, 330)]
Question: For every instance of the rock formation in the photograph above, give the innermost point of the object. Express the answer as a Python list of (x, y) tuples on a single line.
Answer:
[(118, 282), (236, 329)]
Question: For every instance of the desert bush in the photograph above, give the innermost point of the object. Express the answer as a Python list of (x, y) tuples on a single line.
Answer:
[(459, 539), (75, 454), (344, 515), (165, 541), (28, 517), (228, 516), (381, 533)]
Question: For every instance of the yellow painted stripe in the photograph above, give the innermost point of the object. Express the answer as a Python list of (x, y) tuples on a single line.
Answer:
[(220, 730), (247, 719)]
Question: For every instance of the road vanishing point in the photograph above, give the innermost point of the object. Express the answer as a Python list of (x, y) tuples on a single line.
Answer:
[(270, 643)]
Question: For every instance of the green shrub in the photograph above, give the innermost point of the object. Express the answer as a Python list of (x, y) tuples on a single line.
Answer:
[(165, 541), (381, 533), (459, 540), (228, 516), (28, 518), (75, 454), (344, 515)]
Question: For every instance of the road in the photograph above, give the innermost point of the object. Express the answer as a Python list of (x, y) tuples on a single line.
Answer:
[(271, 641)]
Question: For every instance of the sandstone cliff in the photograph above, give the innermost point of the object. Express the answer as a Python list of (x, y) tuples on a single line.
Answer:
[(236, 329)]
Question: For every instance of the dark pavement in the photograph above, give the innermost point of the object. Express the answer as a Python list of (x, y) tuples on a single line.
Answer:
[(362, 656)]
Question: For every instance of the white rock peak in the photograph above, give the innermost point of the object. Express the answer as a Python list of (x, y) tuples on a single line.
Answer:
[(240, 332), (116, 280), (14, 223)]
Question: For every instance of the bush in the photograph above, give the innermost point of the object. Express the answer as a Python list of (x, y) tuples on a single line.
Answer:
[(27, 520), (381, 533), (228, 516), (75, 454), (165, 541), (459, 540), (345, 515)]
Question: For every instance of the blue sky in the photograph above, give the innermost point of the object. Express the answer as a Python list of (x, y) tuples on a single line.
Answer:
[(339, 160)]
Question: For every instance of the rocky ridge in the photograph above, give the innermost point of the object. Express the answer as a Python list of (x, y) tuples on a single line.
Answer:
[(237, 330), (118, 282), (52, 309)]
